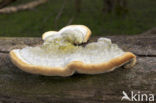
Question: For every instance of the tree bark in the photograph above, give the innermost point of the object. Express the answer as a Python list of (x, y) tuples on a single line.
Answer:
[(108, 6), (78, 5), (118, 6)]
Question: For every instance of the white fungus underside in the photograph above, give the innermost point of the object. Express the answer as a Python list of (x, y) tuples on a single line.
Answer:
[(97, 52)]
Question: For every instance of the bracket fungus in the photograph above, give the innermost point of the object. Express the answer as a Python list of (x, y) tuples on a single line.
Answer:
[(60, 55)]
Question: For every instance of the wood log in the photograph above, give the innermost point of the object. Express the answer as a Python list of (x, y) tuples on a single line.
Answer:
[(4, 3), (17, 86), (26, 6)]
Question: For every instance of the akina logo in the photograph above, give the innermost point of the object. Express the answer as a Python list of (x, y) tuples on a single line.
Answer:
[(137, 96)]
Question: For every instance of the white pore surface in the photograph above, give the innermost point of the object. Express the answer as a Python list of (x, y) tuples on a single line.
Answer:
[(60, 53)]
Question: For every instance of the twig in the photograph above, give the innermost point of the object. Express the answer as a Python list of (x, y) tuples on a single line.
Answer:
[(70, 20), (26, 6), (59, 14)]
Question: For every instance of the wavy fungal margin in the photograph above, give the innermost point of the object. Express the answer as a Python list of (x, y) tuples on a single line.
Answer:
[(110, 56)]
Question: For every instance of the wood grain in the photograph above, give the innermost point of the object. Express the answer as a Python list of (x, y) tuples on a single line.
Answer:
[(17, 86)]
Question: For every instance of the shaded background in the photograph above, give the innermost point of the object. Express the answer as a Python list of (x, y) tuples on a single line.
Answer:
[(135, 17)]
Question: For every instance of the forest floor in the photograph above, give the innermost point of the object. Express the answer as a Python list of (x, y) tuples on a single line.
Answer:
[(56, 14)]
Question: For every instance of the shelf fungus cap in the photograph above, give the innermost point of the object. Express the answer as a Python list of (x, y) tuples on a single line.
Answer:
[(59, 56), (73, 33)]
